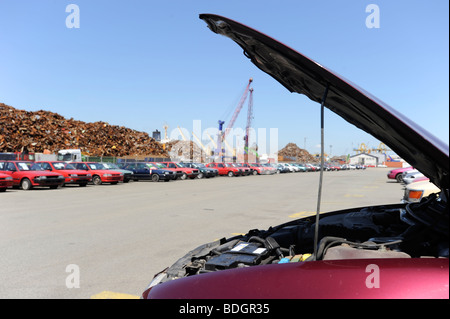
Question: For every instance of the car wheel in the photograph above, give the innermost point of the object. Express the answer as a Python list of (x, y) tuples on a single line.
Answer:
[(200, 176), (155, 178), (96, 180), (26, 184), (230, 174), (184, 176), (255, 172), (399, 178)]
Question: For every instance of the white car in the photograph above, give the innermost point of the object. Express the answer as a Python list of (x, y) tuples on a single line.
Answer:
[(411, 177), (414, 192)]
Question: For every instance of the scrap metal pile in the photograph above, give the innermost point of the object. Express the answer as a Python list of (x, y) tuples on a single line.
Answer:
[(185, 151), (44, 131), (291, 152)]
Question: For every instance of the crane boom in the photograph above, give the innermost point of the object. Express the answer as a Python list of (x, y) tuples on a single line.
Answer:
[(249, 123), (223, 134)]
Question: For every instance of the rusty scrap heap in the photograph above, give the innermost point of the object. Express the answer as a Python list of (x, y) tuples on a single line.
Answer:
[(43, 130), (291, 152)]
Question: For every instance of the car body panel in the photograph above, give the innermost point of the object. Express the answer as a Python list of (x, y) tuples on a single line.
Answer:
[(421, 278), (6, 181)]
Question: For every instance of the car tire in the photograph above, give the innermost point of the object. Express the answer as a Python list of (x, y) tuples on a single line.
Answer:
[(96, 180), (183, 177), (230, 174), (25, 184), (200, 175), (255, 172), (155, 178), (399, 178)]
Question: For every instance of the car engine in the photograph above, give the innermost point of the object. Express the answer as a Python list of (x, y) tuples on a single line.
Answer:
[(413, 230)]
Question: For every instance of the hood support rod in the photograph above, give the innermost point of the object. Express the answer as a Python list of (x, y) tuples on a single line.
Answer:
[(319, 196)]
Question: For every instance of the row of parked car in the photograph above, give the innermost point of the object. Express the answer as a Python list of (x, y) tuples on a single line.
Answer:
[(53, 174)]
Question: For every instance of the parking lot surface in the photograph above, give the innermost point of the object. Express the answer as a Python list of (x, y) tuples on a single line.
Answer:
[(108, 241)]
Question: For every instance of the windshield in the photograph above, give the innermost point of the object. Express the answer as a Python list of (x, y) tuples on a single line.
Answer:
[(152, 165), (96, 166), (110, 166), (62, 166), (29, 166), (160, 165), (180, 165), (229, 165), (199, 165)]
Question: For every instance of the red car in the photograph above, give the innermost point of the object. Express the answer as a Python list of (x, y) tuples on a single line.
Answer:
[(185, 171), (5, 181), (71, 174), (244, 171), (99, 175), (29, 174), (397, 173), (225, 169), (255, 168), (380, 251)]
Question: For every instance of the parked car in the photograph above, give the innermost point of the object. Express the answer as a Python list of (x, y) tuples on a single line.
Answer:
[(99, 174), (71, 174), (203, 170), (397, 173), (365, 252), (186, 172), (256, 169), (411, 177), (27, 175), (149, 171), (127, 174), (6, 181), (243, 171), (225, 170), (281, 168), (414, 192)]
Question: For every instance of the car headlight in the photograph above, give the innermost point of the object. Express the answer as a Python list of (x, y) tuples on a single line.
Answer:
[(88, 175), (9, 178), (60, 176), (73, 175), (107, 175), (41, 177), (414, 196)]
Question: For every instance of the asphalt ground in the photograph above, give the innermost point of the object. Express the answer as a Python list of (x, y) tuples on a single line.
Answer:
[(108, 241)]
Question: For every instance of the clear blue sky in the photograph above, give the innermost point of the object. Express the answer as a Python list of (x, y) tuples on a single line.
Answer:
[(143, 64)]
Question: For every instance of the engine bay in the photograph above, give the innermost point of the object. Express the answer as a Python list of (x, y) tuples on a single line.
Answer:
[(414, 230)]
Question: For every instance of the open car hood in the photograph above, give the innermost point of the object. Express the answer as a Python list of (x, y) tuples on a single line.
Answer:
[(302, 75)]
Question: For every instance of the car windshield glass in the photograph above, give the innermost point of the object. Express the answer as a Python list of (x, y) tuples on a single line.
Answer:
[(180, 165), (61, 165), (28, 166), (160, 165), (95, 166), (110, 166), (199, 165), (151, 165), (229, 165)]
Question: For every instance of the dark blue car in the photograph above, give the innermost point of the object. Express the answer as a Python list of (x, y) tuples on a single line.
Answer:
[(148, 171)]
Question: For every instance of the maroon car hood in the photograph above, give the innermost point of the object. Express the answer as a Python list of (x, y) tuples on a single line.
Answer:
[(362, 278), (302, 75)]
